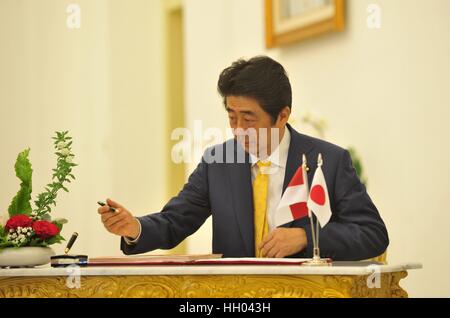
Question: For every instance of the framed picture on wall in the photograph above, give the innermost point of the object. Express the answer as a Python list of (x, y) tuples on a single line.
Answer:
[(289, 21)]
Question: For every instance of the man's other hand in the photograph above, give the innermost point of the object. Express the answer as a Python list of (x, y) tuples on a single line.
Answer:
[(282, 242)]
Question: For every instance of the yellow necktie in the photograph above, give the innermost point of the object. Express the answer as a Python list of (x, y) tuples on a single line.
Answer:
[(260, 185)]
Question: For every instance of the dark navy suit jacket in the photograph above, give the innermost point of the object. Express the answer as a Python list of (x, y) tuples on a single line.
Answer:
[(224, 190)]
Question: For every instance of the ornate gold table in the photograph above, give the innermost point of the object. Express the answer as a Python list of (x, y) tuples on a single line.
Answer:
[(343, 279)]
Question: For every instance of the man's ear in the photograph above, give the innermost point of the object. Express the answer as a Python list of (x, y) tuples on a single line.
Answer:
[(283, 116)]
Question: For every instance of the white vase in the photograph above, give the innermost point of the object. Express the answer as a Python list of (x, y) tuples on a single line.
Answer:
[(25, 256)]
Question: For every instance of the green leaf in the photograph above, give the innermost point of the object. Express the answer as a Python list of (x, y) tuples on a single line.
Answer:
[(6, 244), (61, 175), (55, 239), (60, 221), (35, 242), (58, 225), (21, 202)]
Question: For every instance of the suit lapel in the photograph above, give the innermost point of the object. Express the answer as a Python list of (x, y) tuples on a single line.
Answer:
[(242, 192), (298, 146)]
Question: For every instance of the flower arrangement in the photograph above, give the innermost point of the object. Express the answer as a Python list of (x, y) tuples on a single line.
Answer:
[(34, 227)]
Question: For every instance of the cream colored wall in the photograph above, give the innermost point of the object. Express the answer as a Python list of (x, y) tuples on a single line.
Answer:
[(383, 91), (103, 83)]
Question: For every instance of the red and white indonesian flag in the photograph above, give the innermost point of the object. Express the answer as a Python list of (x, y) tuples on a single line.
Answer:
[(293, 203), (318, 201)]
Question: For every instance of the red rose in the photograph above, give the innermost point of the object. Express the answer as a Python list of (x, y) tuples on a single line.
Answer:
[(18, 220), (45, 229)]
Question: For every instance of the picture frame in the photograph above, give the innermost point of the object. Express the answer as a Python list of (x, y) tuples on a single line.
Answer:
[(290, 21)]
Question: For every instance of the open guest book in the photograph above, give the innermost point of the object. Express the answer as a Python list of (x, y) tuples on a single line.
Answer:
[(207, 259)]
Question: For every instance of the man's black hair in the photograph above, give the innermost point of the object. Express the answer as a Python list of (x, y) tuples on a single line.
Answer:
[(260, 78)]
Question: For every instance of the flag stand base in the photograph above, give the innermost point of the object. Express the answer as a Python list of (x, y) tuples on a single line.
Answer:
[(317, 261)]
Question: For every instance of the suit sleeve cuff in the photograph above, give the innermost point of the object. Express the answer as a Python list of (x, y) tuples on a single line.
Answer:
[(130, 241)]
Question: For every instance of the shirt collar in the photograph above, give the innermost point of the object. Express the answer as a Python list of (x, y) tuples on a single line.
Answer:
[(279, 156)]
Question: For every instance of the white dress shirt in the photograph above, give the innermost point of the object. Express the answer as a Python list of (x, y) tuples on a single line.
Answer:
[(278, 160)]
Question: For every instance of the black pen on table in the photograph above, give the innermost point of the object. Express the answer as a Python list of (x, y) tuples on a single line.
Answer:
[(110, 207), (70, 243)]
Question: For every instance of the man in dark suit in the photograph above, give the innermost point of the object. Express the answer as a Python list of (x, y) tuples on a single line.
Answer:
[(242, 196)]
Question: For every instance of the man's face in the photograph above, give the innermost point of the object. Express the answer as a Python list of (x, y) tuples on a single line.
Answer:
[(247, 118)]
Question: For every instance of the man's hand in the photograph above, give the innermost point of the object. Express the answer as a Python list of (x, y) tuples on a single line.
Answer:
[(283, 242), (121, 222)]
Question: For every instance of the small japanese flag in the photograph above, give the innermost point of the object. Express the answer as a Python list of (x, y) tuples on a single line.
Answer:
[(292, 205), (318, 201)]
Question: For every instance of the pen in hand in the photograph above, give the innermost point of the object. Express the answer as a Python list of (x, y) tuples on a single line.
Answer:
[(110, 208), (70, 243)]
